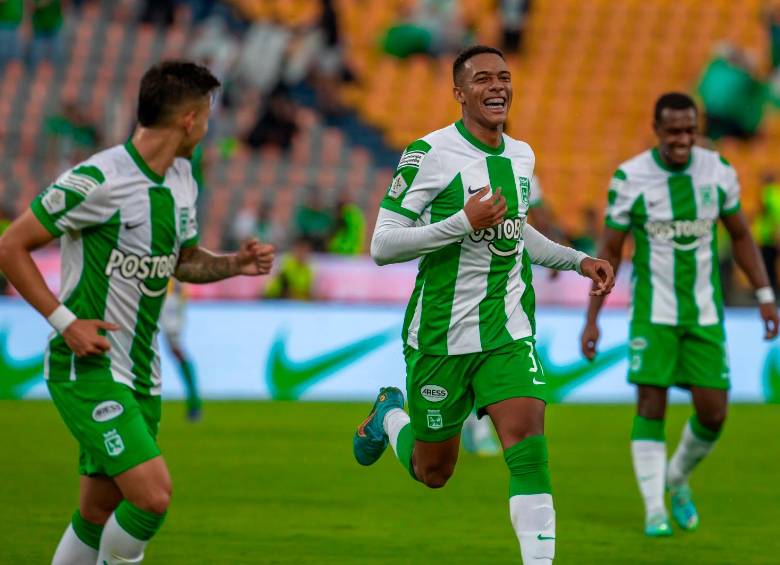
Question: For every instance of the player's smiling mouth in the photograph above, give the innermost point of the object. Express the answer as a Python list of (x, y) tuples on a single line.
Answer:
[(495, 104)]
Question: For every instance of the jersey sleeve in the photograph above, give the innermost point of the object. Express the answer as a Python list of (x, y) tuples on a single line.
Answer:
[(78, 199), (417, 181), (620, 200), (535, 197), (728, 189)]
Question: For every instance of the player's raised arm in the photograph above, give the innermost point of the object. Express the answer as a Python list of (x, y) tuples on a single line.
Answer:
[(397, 239), (198, 265)]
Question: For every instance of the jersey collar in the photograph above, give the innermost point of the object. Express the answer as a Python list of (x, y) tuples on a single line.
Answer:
[(669, 168), (468, 136), (141, 164)]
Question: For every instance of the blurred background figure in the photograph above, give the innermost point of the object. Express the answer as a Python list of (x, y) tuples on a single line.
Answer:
[(294, 276), (172, 323), (72, 136), (159, 12), (733, 95), (11, 13), (45, 45), (275, 125), (766, 225), (514, 17), (349, 231), (314, 222)]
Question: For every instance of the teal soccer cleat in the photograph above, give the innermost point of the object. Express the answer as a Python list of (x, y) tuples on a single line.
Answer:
[(658, 526), (683, 509), (370, 439)]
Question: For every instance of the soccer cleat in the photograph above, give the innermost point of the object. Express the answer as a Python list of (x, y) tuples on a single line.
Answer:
[(370, 440), (683, 509), (658, 526)]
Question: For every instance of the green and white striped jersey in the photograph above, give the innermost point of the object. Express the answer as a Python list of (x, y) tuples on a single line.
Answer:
[(475, 294), (121, 227), (673, 216)]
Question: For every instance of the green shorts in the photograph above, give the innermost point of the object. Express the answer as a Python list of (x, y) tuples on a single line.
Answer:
[(116, 427), (667, 356), (443, 389)]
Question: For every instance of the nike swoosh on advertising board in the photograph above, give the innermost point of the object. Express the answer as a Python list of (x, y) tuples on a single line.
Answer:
[(562, 379), (17, 376), (771, 376), (288, 379)]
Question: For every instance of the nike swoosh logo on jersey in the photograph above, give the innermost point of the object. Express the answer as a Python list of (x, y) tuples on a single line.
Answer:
[(129, 226), (288, 379), (470, 191)]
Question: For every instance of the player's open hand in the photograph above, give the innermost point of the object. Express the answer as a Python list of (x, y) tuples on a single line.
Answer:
[(83, 337), (601, 273), (769, 316), (255, 258), (485, 212), (589, 339)]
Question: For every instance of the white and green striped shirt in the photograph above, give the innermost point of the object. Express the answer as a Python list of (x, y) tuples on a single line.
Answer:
[(474, 294), (673, 214), (121, 227)]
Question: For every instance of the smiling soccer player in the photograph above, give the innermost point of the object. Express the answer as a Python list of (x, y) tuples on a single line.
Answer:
[(459, 199)]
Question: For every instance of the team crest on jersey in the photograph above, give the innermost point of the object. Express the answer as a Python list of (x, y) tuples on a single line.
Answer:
[(113, 442), (435, 420), (184, 220), (525, 190), (708, 193)]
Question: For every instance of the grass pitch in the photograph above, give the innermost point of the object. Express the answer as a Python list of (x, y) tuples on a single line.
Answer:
[(275, 482)]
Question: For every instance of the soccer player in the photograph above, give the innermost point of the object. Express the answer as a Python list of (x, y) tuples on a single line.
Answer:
[(670, 198), (126, 223), (172, 320), (459, 200)]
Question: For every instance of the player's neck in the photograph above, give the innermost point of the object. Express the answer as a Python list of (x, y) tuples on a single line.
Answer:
[(157, 147), (491, 137)]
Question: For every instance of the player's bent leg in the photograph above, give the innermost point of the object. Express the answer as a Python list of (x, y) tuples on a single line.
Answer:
[(147, 492), (434, 462), (520, 426), (99, 496), (698, 438), (648, 454)]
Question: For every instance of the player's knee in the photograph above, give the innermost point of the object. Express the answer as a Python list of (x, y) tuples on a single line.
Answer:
[(436, 475), (96, 513), (713, 419), (156, 500)]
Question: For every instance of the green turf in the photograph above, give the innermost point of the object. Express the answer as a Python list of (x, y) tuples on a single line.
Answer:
[(275, 482)]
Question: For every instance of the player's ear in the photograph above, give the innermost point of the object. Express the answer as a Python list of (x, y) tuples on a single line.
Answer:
[(457, 92), (188, 121)]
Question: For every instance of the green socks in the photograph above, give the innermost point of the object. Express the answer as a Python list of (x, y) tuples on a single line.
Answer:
[(87, 532), (528, 470), (648, 429), (138, 523)]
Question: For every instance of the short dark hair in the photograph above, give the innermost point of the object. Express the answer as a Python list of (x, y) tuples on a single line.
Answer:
[(673, 101), (169, 84), (468, 53)]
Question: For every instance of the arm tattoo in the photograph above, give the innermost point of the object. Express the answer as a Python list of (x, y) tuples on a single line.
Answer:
[(197, 265)]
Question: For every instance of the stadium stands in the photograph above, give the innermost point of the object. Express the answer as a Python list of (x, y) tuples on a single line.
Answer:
[(584, 87)]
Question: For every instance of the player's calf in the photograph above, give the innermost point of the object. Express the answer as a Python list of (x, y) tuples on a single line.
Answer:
[(147, 491)]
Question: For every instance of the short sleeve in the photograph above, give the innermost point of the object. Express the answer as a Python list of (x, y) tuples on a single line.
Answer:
[(417, 181), (535, 197), (728, 189), (78, 199), (620, 200)]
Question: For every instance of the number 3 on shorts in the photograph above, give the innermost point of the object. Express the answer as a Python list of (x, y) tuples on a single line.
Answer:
[(532, 356)]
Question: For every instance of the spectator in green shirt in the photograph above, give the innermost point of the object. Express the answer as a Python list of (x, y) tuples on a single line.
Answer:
[(350, 233), (313, 221), (766, 225), (11, 12), (46, 26)]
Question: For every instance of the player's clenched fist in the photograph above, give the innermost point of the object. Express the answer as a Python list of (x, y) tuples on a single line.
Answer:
[(601, 273), (83, 338), (255, 258), (488, 212)]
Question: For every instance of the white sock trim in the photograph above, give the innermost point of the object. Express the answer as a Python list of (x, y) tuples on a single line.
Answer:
[(649, 459), (689, 453), (533, 519), (118, 547), (72, 551), (394, 421)]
